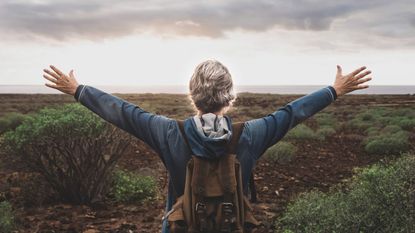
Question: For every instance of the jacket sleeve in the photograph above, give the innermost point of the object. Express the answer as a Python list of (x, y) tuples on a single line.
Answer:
[(265, 132), (150, 128)]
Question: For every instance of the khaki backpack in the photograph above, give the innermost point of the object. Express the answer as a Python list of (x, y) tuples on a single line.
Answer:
[(213, 199)]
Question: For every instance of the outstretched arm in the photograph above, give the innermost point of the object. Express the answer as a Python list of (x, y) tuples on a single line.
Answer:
[(148, 127), (265, 132)]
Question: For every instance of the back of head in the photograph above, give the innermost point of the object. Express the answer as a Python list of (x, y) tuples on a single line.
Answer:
[(211, 87)]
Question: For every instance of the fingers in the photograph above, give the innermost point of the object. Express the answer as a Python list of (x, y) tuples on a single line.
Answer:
[(363, 80), (53, 74), (71, 74), (358, 70), (51, 85), (339, 70), (56, 70), (50, 78), (358, 87), (361, 75)]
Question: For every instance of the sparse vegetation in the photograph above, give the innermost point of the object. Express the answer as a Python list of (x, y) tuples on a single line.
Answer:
[(326, 120), (133, 188), (325, 131), (6, 217), (387, 129), (388, 143), (282, 152), (381, 116), (378, 199), (302, 132)]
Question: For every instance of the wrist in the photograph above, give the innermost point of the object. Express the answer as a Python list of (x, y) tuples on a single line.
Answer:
[(78, 92), (337, 90)]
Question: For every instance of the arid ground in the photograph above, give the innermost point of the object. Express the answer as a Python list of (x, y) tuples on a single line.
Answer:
[(318, 164)]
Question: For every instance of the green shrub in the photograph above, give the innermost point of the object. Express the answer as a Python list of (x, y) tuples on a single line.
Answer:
[(391, 129), (372, 131), (133, 188), (6, 217), (72, 148), (11, 120), (302, 132), (282, 152), (380, 117), (406, 123), (379, 199), (326, 119), (325, 131), (388, 143), (69, 121)]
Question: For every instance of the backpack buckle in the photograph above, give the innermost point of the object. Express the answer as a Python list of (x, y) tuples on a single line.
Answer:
[(201, 212), (227, 208), (200, 208)]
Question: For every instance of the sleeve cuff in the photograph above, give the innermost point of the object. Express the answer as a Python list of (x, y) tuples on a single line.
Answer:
[(333, 92), (78, 92)]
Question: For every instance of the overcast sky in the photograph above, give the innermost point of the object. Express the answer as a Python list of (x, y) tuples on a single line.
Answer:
[(271, 42)]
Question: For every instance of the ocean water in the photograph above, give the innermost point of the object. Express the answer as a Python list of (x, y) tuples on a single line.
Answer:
[(273, 89)]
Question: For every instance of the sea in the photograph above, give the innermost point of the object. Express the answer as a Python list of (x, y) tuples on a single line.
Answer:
[(177, 89)]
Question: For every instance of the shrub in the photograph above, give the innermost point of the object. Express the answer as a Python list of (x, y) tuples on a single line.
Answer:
[(388, 143), (72, 148), (6, 217), (372, 131), (405, 123), (325, 131), (326, 119), (282, 152), (11, 120), (302, 132), (133, 188), (379, 117), (379, 199)]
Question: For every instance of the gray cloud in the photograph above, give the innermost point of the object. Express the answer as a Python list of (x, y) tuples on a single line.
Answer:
[(99, 19)]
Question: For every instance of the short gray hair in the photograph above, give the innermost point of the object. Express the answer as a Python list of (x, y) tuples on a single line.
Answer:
[(211, 87)]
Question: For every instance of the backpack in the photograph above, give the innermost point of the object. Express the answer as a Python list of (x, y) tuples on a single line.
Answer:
[(213, 199)]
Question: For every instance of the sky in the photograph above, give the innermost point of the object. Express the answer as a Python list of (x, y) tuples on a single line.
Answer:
[(262, 42)]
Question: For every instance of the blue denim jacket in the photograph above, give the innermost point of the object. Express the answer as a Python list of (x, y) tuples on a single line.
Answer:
[(163, 134)]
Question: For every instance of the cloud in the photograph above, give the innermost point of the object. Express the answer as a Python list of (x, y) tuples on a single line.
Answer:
[(67, 20)]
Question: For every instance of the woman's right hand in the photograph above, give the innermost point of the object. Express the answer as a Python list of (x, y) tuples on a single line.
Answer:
[(351, 82), (62, 82)]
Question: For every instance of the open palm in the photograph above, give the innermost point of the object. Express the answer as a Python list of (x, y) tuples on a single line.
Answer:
[(352, 81)]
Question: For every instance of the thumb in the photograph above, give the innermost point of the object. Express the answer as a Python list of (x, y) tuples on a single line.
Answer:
[(71, 74), (339, 70)]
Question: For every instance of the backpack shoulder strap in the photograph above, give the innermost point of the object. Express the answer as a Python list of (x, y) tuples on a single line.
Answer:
[(237, 129), (181, 127)]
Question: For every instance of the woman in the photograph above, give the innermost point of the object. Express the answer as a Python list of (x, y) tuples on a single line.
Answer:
[(211, 90)]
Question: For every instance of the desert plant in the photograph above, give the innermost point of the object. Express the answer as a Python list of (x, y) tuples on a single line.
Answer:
[(11, 120), (388, 143), (325, 131), (133, 188), (326, 119), (302, 132), (282, 152), (378, 199), (6, 217), (380, 117), (72, 148)]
